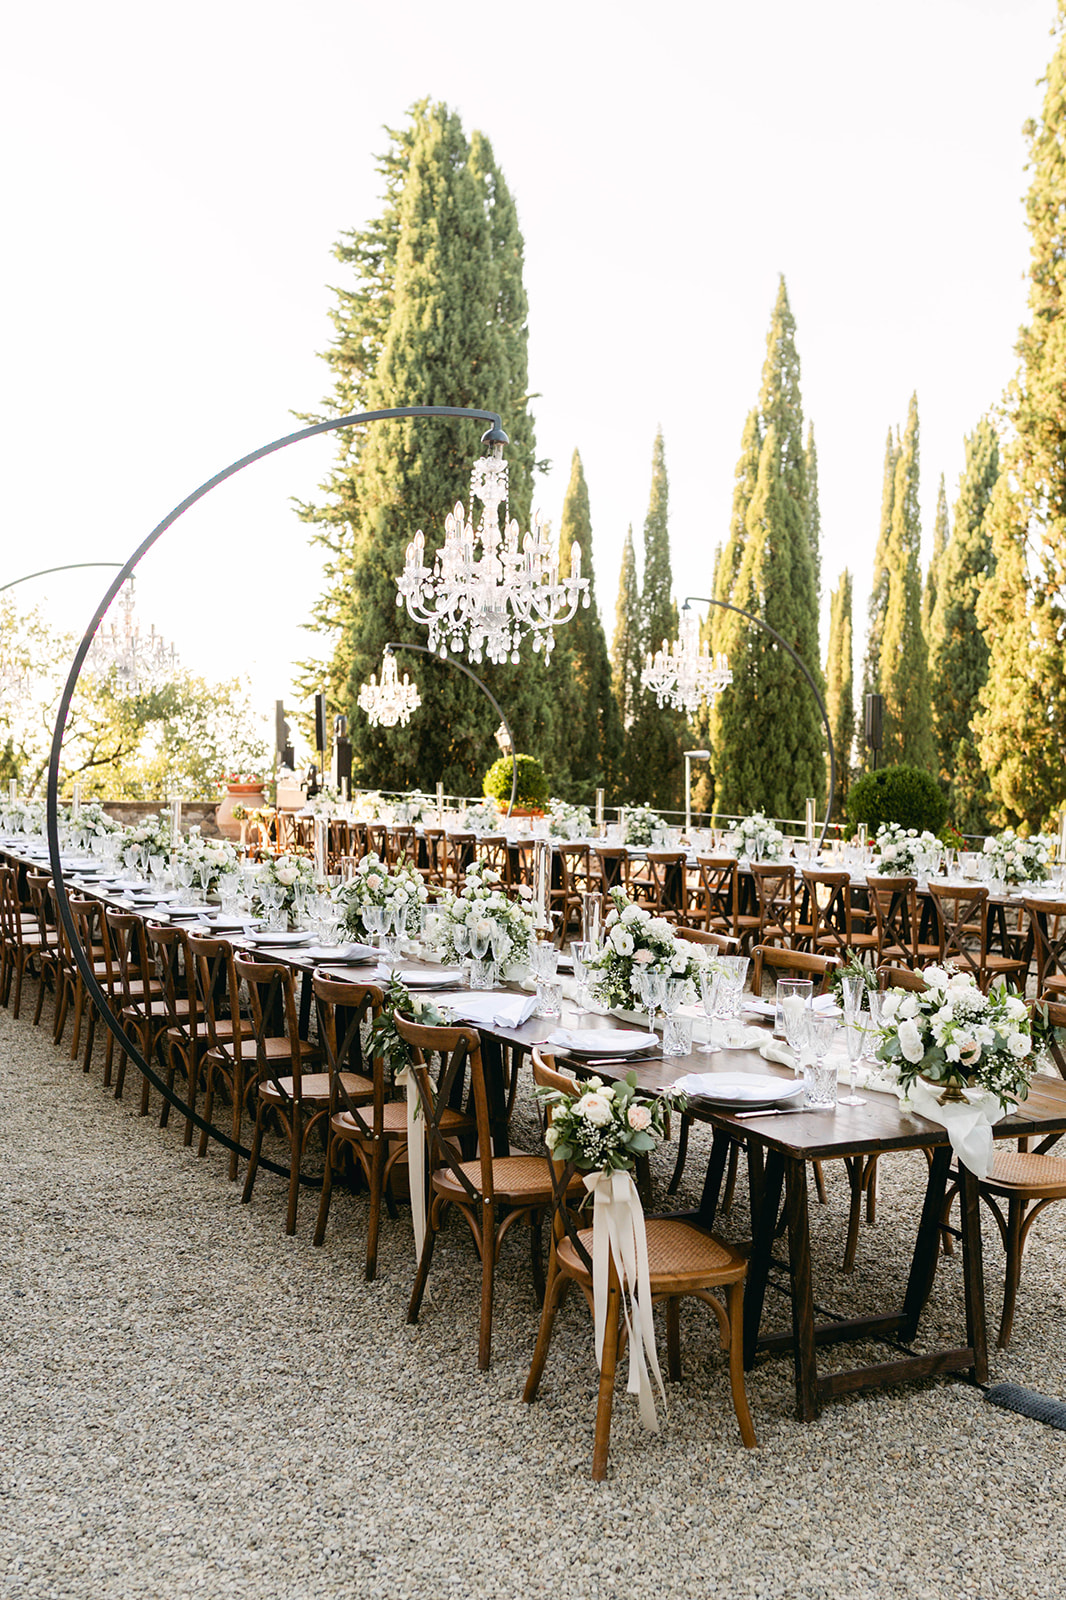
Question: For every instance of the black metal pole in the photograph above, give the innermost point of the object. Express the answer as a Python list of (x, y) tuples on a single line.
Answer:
[(726, 605), (495, 435), (424, 650)]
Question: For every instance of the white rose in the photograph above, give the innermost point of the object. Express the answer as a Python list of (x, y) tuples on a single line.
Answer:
[(594, 1109), (287, 875), (890, 1005), (551, 1136), (631, 914), (659, 928), (910, 1042), (622, 941), (909, 1006), (1019, 1046), (1015, 1008), (679, 963)]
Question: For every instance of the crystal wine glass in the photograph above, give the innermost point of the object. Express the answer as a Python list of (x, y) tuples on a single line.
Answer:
[(852, 986), (580, 951), (875, 1000), (855, 1039), (651, 989), (797, 1017), (710, 983)]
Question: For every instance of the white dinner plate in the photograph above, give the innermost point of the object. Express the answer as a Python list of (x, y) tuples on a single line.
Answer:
[(349, 955), (442, 978), (601, 1041), (278, 941), (729, 1089)]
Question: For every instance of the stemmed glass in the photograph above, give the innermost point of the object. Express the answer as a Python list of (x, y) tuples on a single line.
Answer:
[(852, 986), (392, 930), (672, 1001), (710, 983), (580, 952), (481, 968), (875, 1000), (650, 987), (461, 941), (855, 1038), (204, 872), (797, 1018), (183, 876), (374, 923), (734, 972)]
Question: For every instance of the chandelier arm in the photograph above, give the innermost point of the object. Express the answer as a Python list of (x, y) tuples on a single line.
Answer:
[(749, 616), (71, 566), (424, 650), (495, 435)]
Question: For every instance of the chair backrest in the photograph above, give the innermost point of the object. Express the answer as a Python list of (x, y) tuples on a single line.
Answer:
[(666, 868), (402, 844), (614, 866), (126, 955), (456, 1049), (791, 963), (37, 884), (9, 907), (895, 906), (900, 978), (272, 997), (218, 987), (573, 859), (720, 882), (547, 1076), (459, 851), (434, 842), (828, 906), (377, 839), (343, 1010), (775, 893), (722, 942), (1056, 1013), (1047, 919), (168, 945), (955, 906), (491, 851)]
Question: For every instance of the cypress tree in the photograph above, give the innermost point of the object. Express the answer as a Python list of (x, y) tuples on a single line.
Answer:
[(941, 534), (626, 658), (814, 514), (728, 563), (437, 317), (908, 726), (958, 650), (871, 670), (586, 712), (768, 738), (1022, 725), (839, 688), (655, 744)]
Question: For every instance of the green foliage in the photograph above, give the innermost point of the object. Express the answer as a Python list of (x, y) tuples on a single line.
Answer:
[(903, 794), (437, 316), (878, 605), (766, 731), (941, 535), (839, 693), (1021, 728), (908, 723), (533, 788), (626, 660)]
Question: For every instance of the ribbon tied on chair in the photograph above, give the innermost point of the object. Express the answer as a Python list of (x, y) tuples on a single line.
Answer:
[(416, 1161), (618, 1235)]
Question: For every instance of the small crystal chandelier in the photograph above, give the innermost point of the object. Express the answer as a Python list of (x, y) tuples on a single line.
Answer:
[(139, 663), (489, 604), (390, 701), (682, 674)]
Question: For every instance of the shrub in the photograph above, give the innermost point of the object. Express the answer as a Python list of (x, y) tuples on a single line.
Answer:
[(532, 784), (906, 795)]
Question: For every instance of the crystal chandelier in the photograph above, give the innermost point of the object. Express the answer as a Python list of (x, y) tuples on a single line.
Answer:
[(489, 604), (138, 662), (390, 701), (682, 674)]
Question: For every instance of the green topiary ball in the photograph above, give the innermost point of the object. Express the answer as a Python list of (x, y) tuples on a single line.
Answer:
[(906, 795), (532, 784)]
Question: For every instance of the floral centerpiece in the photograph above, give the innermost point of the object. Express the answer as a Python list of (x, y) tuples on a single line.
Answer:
[(901, 850), (954, 1036), (758, 839), (375, 884), (416, 807), (567, 821), (606, 1126), (1015, 860), (153, 834), (283, 877), (326, 803), (25, 816), (94, 820), (634, 938), (211, 856), (639, 824), (481, 818), (487, 911)]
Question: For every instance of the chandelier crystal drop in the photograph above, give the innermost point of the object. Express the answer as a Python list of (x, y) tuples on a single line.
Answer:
[(139, 662), (683, 674), (390, 701), (489, 604)]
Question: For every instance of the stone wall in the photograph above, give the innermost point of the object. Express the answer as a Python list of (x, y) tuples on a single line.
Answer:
[(200, 813)]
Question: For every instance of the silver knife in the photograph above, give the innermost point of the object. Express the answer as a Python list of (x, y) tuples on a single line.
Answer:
[(782, 1111)]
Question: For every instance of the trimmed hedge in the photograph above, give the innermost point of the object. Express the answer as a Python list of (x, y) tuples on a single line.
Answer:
[(533, 787), (906, 795)]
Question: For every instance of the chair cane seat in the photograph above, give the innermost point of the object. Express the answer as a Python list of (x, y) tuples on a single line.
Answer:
[(313, 1086), (516, 1180), (394, 1120), (1025, 1172), (676, 1252)]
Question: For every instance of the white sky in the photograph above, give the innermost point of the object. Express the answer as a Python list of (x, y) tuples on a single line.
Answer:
[(175, 178)]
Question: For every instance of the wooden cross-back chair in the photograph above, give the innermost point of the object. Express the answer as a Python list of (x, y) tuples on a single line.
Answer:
[(491, 850), (829, 924), (433, 839), (613, 863), (719, 893), (1047, 923), (377, 839), (47, 954), (229, 1060), (459, 851), (569, 878), (183, 1040), (87, 915), (894, 902), (134, 990), (684, 1261), (19, 940), (721, 943), (285, 1080), (519, 1186), (775, 899), (402, 844), (962, 924), (666, 895)]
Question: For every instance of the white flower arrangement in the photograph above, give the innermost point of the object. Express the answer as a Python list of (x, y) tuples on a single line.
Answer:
[(151, 833), (901, 849), (94, 820), (567, 821), (641, 821), (488, 912), (606, 1126), (326, 803), (25, 816), (758, 839), (952, 1034), (633, 937), (375, 884), (415, 807), (1015, 860), (482, 818), (199, 852), (290, 874)]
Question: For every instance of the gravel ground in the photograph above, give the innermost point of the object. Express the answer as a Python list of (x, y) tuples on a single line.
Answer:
[(197, 1405)]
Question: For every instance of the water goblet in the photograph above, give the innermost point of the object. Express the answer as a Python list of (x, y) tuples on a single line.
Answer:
[(374, 921), (543, 959), (788, 989), (855, 1039), (875, 1000), (650, 987), (797, 1019), (710, 983), (204, 872), (672, 1001), (580, 951), (734, 972), (461, 941), (183, 876), (852, 986)]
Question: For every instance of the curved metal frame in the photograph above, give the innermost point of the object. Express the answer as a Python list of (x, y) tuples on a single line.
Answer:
[(495, 435), (727, 605), (70, 566), (453, 661)]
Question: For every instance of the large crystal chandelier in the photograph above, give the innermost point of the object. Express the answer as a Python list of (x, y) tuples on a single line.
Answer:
[(489, 604), (390, 701), (138, 661), (684, 675)]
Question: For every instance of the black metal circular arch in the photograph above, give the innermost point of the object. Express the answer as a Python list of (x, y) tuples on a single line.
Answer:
[(494, 435), (69, 566), (727, 605)]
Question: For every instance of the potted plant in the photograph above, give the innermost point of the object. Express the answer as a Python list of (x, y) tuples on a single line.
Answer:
[(244, 789), (531, 794)]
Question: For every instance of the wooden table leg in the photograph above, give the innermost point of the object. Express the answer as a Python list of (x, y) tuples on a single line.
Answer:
[(799, 1260), (496, 1088), (926, 1244), (712, 1183), (973, 1272), (762, 1244)]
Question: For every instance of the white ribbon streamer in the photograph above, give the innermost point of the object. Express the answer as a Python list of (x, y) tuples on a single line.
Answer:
[(968, 1122), (416, 1163), (618, 1234)]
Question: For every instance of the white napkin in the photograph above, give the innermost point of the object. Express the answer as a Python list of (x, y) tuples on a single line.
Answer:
[(968, 1122), (490, 1009), (601, 1041)]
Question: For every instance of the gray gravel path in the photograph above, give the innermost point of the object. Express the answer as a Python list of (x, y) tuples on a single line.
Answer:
[(196, 1405)]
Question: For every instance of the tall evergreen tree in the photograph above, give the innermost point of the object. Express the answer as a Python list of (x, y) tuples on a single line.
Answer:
[(1022, 726), (728, 562), (941, 534), (655, 743), (871, 670), (590, 730), (626, 658), (839, 684), (908, 725), (768, 740), (958, 650), (814, 513), (437, 317)]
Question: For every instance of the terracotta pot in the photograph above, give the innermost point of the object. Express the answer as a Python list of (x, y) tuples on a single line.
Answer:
[(249, 795), (522, 811)]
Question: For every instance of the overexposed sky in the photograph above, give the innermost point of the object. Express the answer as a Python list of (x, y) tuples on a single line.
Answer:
[(175, 178)]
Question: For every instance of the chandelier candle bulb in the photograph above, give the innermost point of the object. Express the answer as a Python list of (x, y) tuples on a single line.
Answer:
[(321, 846), (175, 822)]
